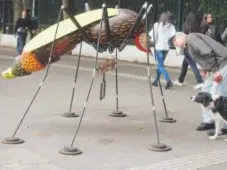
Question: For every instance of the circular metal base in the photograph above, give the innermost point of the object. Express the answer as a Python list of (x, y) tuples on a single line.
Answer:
[(70, 151), (159, 147), (12, 140), (167, 120), (117, 114), (70, 114)]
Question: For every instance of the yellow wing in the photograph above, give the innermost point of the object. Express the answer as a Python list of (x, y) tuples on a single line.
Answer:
[(66, 27)]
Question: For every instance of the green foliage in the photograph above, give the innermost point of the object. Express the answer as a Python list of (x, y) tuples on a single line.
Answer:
[(216, 7), (47, 11)]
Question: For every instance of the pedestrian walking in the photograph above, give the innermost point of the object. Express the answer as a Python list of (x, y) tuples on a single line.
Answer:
[(160, 34), (23, 26), (192, 24), (210, 29)]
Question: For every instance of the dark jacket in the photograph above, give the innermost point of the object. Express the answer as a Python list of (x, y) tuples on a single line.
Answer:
[(208, 53), (212, 31), (23, 25)]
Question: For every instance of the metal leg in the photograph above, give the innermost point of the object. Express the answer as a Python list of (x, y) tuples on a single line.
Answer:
[(117, 113), (72, 150), (157, 147), (107, 31), (138, 20), (165, 119), (13, 139), (71, 114), (110, 46)]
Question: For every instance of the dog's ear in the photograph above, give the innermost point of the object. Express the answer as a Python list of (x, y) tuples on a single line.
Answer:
[(207, 99)]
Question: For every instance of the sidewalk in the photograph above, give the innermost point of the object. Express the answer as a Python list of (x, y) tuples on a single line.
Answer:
[(107, 143), (23, 159)]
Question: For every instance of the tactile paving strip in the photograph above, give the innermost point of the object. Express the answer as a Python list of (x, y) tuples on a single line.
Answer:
[(188, 163)]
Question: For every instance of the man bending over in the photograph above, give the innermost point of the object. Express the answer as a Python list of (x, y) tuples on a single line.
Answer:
[(212, 57)]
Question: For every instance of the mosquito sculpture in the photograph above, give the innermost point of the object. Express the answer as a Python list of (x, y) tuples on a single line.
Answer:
[(106, 29)]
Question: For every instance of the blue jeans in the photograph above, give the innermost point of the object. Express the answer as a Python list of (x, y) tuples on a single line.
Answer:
[(218, 89), (21, 39), (188, 60), (161, 56)]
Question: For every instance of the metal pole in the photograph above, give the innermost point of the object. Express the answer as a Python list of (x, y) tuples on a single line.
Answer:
[(33, 8), (13, 139), (157, 147), (3, 16), (120, 3), (155, 9), (71, 150), (180, 14)]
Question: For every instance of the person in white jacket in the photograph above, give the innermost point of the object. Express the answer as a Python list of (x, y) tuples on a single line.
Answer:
[(161, 32)]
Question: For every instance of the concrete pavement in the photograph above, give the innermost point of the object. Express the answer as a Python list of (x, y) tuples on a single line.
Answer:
[(107, 143)]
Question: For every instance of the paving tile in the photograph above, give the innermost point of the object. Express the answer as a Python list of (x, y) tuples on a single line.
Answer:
[(19, 156)]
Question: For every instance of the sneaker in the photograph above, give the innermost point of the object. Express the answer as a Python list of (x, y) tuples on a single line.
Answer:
[(198, 86), (176, 82)]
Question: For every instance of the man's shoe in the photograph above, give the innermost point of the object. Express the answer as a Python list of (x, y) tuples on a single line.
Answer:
[(205, 126), (212, 132)]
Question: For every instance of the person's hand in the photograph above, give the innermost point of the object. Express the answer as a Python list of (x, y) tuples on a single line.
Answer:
[(218, 77), (178, 51), (205, 74)]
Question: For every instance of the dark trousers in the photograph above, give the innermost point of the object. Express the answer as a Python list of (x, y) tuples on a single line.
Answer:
[(21, 40), (188, 60)]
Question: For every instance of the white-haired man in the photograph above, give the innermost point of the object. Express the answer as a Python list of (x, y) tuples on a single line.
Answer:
[(212, 57)]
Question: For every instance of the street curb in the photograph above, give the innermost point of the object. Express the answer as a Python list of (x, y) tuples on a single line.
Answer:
[(87, 57), (130, 52)]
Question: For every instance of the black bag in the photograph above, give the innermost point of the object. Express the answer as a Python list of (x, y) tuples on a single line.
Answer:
[(21, 30)]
